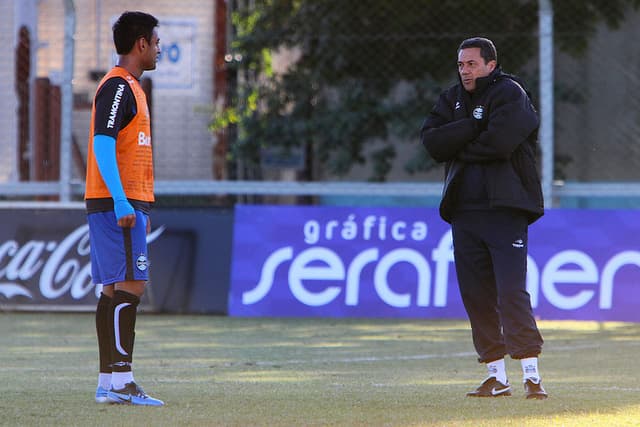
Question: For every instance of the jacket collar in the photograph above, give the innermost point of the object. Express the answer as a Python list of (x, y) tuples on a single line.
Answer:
[(483, 82)]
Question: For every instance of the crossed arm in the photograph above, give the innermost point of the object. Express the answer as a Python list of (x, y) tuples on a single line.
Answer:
[(510, 122)]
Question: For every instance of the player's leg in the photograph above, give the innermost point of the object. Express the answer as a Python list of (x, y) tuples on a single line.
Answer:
[(104, 327), (474, 272), (477, 288), (126, 299), (133, 273), (104, 332), (522, 337)]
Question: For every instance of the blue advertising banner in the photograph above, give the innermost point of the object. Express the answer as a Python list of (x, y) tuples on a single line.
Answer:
[(398, 262)]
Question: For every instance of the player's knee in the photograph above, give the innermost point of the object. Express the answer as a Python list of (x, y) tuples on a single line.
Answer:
[(108, 290), (135, 287)]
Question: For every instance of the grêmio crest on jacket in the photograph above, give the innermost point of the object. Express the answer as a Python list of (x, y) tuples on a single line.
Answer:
[(478, 112)]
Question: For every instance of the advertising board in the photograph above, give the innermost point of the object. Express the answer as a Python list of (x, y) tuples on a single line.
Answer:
[(45, 263), (398, 262)]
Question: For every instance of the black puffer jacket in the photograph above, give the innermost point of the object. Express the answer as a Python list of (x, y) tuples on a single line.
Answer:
[(496, 130)]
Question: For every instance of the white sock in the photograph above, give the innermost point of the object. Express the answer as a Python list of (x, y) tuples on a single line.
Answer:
[(104, 381), (530, 369), (496, 369), (119, 379)]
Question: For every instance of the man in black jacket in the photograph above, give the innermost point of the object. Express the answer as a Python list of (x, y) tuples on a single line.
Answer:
[(485, 129)]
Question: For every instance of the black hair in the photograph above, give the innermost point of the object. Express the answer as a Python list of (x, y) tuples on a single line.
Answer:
[(487, 48), (129, 27)]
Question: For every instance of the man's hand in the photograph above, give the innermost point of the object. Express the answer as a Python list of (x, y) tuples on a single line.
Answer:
[(124, 213), (127, 221)]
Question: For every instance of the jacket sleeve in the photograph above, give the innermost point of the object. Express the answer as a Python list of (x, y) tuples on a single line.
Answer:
[(444, 137), (511, 120)]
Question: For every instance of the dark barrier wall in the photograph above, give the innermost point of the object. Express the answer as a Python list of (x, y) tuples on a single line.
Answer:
[(191, 261), (45, 265)]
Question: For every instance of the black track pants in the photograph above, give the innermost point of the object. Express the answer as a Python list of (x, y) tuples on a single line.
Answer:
[(490, 249)]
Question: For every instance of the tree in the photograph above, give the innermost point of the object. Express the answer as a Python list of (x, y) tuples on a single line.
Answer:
[(368, 72)]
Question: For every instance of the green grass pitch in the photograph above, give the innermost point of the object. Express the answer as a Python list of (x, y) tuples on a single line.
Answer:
[(220, 371)]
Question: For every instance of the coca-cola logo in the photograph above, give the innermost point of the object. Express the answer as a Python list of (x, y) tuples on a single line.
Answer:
[(64, 266)]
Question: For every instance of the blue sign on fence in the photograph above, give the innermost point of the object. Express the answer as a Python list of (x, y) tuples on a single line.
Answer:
[(176, 63), (398, 262)]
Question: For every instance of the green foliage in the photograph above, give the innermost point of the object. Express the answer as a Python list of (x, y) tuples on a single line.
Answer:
[(368, 72), (576, 21)]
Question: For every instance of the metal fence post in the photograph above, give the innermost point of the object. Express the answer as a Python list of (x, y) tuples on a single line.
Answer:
[(67, 101), (545, 25)]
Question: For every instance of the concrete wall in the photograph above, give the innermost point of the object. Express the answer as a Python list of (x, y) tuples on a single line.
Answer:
[(13, 15), (599, 131), (597, 106), (183, 145), (7, 73)]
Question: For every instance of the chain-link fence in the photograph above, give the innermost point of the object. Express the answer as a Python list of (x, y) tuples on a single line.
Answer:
[(356, 78), (331, 90), (596, 79), (182, 83), (349, 83)]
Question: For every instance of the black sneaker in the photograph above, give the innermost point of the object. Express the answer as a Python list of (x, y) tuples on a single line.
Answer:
[(534, 390), (491, 387), (132, 394)]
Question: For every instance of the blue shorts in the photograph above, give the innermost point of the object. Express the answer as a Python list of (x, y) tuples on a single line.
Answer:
[(117, 254)]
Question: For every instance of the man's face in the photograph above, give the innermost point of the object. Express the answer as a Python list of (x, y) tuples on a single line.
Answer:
[(152, 52), (472, 66)]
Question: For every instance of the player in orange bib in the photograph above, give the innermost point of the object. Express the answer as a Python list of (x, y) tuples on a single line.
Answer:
[(119, 197)]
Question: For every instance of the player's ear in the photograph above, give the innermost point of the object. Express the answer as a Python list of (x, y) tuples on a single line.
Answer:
[(141, 43)]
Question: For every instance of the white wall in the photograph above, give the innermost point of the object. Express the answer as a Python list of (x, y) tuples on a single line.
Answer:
[(8, 101), (182, 143)]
